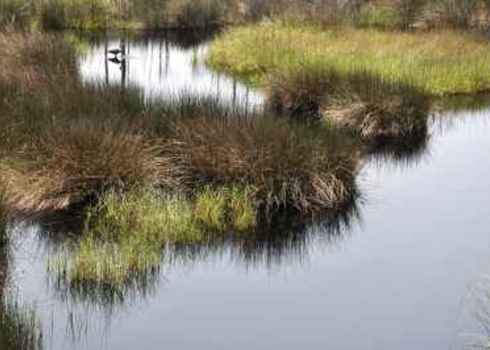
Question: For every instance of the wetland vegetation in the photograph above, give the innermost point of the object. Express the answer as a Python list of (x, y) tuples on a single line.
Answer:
[(149, 180)]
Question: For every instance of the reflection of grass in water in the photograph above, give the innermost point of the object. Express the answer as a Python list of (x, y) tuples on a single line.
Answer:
[(128, 233), (3, 216), (131, 237), (401, 150), (19, 328), (479, 308)]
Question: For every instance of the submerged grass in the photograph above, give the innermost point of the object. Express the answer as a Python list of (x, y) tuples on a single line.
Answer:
[(435, 63)]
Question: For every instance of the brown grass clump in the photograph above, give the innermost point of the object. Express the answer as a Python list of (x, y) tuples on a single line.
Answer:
[(65, 166), (373, 107), (288, 165)]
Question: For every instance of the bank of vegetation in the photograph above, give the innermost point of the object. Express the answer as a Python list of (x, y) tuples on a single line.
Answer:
[(379, 82), (199, 169), (158, 14)]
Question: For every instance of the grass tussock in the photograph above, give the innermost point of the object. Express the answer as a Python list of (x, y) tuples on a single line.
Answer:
[(300, 167), (67, 165), (126, 237), (435, 63), (126, 234), (226, 208), (370, 106)]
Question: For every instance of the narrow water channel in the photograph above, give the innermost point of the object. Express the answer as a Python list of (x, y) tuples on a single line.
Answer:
[(405, 270)]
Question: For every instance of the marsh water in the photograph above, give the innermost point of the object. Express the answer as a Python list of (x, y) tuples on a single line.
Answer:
[(405, 269)]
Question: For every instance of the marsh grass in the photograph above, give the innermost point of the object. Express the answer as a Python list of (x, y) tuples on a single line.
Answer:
[(434, 63), (68, 143), (301, 167), (127, 234), (154, 175), (226, 208)]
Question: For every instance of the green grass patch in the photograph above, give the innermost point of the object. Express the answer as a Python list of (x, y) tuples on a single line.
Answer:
[(127, 234), (435, 63), (229, 207)]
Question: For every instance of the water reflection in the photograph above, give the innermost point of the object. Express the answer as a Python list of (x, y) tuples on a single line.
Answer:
[(19, 327), (278, 242), (163, 67)]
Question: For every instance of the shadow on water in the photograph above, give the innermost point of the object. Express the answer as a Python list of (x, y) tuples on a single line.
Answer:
[(278, 241), (403, 151)]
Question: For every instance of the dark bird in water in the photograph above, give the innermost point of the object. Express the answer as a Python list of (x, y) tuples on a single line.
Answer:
[(116, 52), (115, 60)]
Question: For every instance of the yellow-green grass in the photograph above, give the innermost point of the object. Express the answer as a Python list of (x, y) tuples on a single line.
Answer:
[(126, 234), (229, 207), (434, 63)]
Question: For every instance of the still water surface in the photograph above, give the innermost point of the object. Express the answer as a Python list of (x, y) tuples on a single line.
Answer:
[(402, 273)]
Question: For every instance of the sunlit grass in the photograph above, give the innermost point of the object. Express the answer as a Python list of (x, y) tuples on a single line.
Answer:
[(126, 234), (435, 63), (229, 207), (210, 209), (242, 209)]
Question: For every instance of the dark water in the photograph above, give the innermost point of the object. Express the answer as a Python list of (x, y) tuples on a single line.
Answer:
[(406, 270)]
